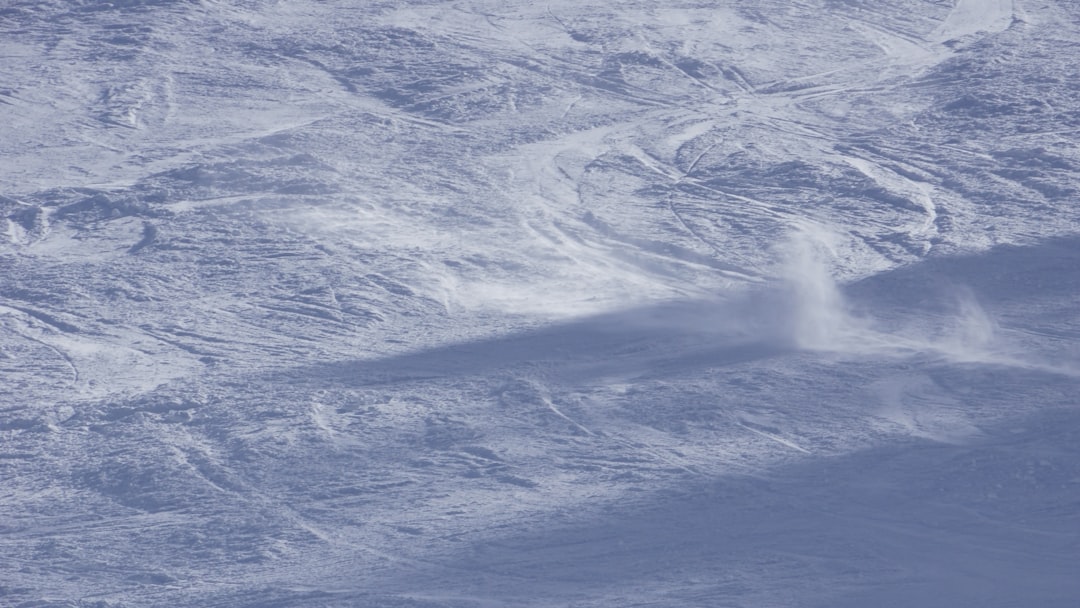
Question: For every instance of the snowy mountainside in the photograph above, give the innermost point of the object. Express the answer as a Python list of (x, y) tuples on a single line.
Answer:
[(485, 303)]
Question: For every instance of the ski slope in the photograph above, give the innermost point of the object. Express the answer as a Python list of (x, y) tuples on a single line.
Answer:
[(468, 304)]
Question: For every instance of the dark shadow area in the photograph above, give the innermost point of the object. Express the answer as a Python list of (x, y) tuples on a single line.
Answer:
[(993, 522), (1002, 276), (669, 336), (1028, 285), (1021, 300)]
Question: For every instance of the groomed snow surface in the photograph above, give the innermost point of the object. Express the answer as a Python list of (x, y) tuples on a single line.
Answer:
[(500, 303)]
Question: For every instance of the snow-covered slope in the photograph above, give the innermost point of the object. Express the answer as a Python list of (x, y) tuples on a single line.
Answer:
[(750, 303)]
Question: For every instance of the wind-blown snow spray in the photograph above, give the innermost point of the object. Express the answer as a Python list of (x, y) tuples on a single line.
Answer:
[(820, 319), (972, 334)]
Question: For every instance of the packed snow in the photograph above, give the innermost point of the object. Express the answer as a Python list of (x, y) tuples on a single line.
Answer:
[(466, 304)]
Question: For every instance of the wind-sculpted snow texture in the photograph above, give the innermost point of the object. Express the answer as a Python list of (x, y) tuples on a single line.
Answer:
[(459, 304)]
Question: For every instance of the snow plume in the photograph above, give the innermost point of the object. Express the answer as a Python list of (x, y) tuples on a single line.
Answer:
[(972, 333), (817, 316), (820, 318)]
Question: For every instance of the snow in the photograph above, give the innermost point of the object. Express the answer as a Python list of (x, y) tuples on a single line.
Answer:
[(568, 304), (976, 16)]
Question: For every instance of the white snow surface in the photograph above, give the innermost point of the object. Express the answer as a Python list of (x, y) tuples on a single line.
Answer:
[(466, 304)]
